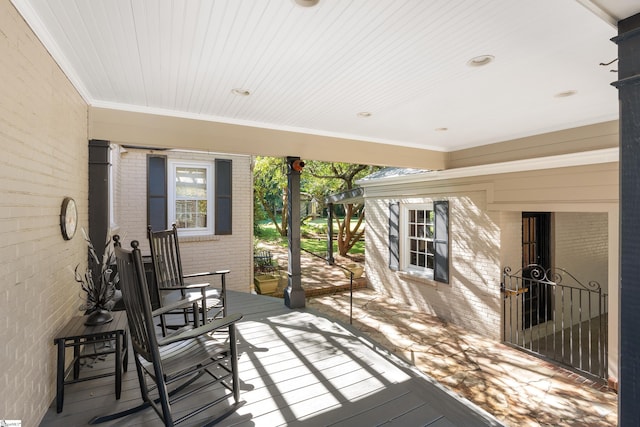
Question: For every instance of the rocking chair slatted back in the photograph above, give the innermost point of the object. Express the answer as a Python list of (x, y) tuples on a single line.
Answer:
[(165, 251), (170, 277), (137, 303), (169, 365)]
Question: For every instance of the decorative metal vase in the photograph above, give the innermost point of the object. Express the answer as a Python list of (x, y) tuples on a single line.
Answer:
[(99, 317)]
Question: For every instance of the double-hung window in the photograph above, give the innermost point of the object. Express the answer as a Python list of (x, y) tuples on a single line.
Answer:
[(195, 195), (190, 194), (419, 239)]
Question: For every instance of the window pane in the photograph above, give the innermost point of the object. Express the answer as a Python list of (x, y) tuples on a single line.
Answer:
[(191, 183), (201, 220), (191, 213), (420, 235), (430, 262)]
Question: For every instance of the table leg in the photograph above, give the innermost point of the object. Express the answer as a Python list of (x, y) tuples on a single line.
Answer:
[(125, 344), (119, 337), (76, 358), (60, 376)]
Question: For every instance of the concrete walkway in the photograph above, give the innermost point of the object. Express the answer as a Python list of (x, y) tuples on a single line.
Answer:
[(518, 389)]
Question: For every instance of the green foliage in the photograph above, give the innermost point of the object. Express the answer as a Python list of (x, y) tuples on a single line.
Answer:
[(266, 230), (269, 191), (314, 236), (319, 179)]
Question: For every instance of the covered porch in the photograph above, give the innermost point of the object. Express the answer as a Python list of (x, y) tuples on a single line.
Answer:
[(297, 367)]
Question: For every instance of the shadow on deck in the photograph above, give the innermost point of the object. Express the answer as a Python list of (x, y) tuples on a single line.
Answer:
[(297, 367)]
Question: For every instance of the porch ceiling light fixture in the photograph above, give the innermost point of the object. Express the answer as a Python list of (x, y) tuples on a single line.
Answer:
[(240, 92), (565, 94), (364, 114), (306, 3), (480, 61)]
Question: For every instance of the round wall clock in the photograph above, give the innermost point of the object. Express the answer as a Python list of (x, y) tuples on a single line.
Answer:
[(68, 218)]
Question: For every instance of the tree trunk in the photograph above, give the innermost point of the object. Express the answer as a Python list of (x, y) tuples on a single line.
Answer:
[(347, 237)]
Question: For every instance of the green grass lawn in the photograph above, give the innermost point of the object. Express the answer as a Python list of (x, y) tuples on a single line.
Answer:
[(313, 238)]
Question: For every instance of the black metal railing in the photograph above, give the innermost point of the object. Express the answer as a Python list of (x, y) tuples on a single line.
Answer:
[(333, 263), (552, 314)]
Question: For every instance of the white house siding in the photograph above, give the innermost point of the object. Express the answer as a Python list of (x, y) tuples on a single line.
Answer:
[(471, 299), (581, 248), (43, 139), (581, 245), (206, 253), (485, 214)]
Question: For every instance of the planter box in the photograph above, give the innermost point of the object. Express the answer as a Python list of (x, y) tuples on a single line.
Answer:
[(354, 268), (266, 284)]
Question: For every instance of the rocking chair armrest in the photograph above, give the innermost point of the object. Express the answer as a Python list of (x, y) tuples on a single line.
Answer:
[(201, 330), (187, 300), (191, 287), (207, 273)]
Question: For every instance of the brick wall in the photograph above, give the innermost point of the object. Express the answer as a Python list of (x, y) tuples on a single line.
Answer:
[(205, 253), (43, 137), (581, 245), (471, 299), (511, 240)]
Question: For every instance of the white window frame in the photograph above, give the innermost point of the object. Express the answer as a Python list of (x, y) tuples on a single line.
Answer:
[(172, 165), (405, 248)]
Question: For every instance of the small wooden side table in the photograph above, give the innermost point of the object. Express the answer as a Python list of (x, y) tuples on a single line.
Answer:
[(76, 334)]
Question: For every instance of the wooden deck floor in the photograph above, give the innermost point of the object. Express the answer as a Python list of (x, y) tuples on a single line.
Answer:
[(297, 367)]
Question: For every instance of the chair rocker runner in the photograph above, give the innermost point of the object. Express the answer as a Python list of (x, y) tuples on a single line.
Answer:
[(167, 266), (178, 360)]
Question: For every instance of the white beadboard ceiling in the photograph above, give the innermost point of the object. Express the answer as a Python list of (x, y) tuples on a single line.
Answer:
[(314, 69)]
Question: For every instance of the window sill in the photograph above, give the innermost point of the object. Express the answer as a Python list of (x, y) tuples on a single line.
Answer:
[(201, 238), (422, 278)]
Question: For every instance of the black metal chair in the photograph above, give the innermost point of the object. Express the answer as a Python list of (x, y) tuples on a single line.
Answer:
[(180, 358), (263, 262), (169, 277)]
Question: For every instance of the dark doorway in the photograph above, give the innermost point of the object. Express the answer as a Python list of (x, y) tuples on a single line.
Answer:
[(536, 250)]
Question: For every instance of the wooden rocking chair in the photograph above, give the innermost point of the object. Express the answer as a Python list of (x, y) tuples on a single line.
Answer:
[(167, 266), (181, 358)]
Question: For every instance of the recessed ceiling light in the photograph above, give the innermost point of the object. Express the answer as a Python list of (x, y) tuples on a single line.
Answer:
[(240, 92), (565, 94), (306, 3), (364, 114), (480, 61), (441, 129)]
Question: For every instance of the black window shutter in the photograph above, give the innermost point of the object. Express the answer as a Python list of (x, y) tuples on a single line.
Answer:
[(441, 242), (157, 192), (223, 195), (394, 236)]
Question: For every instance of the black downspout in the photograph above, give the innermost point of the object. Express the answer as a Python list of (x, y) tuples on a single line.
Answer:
[(98, 194), (628, 84)]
